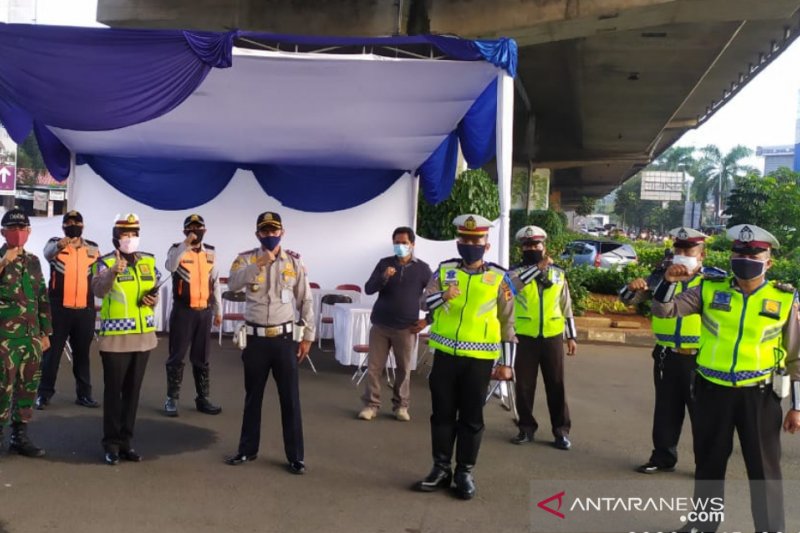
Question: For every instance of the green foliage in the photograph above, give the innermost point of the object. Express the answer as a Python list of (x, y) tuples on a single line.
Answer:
[(473, 192), (603, 305), (716, 172), (634, 212), (585, 279), (586, 206), (548, 220), (650, 254)]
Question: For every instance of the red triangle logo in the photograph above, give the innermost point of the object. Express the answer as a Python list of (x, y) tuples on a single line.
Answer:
[(557, 498)]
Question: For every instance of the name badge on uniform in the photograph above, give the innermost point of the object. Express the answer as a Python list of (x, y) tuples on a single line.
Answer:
[(450, 278), (721, 300), (771, 309), (489, 277), (286, 296)]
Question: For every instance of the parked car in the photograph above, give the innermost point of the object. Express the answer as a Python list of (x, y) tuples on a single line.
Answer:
[(600, 254)]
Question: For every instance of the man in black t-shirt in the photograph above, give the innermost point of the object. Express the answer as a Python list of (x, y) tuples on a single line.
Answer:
[(399, 281)]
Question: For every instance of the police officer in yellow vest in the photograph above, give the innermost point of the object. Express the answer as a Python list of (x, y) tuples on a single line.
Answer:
[(473, 323), (543, 317), (125, 280), (196, 299), (674, 356), (748, 360)]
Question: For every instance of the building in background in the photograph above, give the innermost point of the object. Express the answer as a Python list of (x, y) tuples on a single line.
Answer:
[(776, 157)]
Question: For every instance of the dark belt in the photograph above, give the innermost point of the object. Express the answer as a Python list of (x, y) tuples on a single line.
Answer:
[(684, 351), (269, 331)]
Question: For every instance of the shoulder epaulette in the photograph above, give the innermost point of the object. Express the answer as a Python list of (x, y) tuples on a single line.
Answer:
[(145, 254), (208, 246), (714, 274), (91, 243), (292, 253), (54, 239), (784, 287), (495, 266)]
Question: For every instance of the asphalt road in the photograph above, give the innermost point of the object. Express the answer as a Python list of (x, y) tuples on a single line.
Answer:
[(359, 473)]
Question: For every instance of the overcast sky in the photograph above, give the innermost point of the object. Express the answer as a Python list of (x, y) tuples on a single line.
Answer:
[(764, 113)]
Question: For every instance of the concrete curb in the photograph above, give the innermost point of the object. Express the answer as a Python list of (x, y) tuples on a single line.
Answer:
[(600, 330)]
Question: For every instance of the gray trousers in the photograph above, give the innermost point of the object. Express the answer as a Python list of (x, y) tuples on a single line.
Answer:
[(381, 339)]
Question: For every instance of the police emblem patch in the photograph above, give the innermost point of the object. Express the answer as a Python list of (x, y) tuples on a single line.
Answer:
[(144, 269), (771, 308), (682, 234), (721, 300), (529, 232), (489, 278), (470, 223), (746, 234), (450, 278)]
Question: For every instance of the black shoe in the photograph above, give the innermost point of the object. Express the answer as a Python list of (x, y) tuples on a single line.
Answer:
[(562, 443), (465, 483), (41, 402), (87, 401), (171, 407), (522, 437), (130, 455), (205, 406), (111, 458), (440, 477), (239, 459), (652, 468), (20, 442), (296, 467)]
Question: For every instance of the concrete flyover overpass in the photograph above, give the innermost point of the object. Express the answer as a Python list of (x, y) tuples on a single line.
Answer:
[(604, 85)]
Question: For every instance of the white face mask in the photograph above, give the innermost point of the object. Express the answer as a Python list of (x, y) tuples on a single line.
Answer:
[(128, 245), (689, 262)]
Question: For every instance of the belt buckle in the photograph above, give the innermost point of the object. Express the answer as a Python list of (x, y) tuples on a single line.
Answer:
[(273, 331)]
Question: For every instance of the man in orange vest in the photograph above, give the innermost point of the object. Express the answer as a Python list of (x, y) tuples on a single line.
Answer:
[(196, 300), (72, 304)]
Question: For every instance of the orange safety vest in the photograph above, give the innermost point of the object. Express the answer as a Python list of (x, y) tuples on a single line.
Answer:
[(70, 276), (191, 282)]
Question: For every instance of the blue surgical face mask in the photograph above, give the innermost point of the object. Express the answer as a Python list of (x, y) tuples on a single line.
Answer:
[(471, 253), (270, 242), (402, 250)]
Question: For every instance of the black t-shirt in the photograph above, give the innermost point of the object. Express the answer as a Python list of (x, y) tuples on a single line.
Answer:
[(399, 296)]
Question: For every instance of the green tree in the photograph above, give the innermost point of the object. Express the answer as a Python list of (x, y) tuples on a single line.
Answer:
[(586, 206), (716, 173), (676, 159), (473, 192)]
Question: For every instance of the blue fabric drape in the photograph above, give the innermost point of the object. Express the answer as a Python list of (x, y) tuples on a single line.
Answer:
[(323, 189), (477, 130), (162, 183), (438, 173)]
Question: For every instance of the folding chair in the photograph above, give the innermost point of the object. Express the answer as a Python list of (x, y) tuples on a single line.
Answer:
[(504, 389), (230, 301), (348, 287), (326, 319)]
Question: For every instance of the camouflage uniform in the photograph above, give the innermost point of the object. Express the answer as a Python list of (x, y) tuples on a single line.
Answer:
[(24, 318)]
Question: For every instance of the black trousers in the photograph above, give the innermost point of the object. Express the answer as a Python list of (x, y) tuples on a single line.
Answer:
[(122, 373), (546, 353), (77, 327), (673, 378), (458, 392), (278, 355), (189, 330), (756, 415)]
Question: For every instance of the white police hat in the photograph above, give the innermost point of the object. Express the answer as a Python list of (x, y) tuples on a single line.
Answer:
[(687, 237), (751, 237), (471, 224), (531, 233)]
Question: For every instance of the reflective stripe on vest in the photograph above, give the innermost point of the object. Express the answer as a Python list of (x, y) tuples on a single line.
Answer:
[(681, 332), (468, 325), (121, 313), (741, 337), (534, 316), (70, 272), (191, 282)]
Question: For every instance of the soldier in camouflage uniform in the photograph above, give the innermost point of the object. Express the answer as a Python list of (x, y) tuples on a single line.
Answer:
[(24, 331)]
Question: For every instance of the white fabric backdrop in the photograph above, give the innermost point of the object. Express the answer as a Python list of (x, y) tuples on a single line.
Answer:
[(339, 247)]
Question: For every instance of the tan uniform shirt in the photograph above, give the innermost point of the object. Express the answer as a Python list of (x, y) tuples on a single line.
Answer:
[(505, 300), (690, 302), (274, 293)]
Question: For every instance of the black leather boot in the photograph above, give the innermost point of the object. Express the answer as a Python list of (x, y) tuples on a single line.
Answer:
[(465, 483), (21, 444), (440, 477), (202, 385), (174, 380)]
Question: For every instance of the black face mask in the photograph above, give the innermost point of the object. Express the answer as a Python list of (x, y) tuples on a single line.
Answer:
[(532, 257), (471, 253), (73, 231), (747, 269), (197, 233)]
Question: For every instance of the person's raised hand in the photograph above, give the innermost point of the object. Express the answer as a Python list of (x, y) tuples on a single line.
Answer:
[(677, 273), (451, 292), (639, 284), (121, 264), (265, 259)]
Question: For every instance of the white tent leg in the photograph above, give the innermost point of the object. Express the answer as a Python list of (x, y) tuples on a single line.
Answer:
[(505, 141)]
